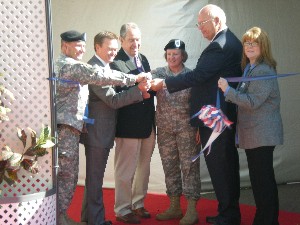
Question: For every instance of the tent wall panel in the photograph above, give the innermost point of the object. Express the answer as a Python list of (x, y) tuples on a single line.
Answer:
[(163, 20)]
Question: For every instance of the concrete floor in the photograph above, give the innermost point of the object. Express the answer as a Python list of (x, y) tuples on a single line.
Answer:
[(289, 197)]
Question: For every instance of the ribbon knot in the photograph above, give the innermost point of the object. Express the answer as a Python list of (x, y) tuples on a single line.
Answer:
[(215, 119)]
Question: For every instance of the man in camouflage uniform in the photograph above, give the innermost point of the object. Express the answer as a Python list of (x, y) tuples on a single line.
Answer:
[(176, 139), (71, 99)]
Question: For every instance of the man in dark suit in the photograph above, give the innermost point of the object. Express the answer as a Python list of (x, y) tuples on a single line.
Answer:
[(135, 137), (221, 58), (103, 102)]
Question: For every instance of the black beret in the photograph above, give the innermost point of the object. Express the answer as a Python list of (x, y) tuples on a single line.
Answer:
[(175, 44), (73, 35)]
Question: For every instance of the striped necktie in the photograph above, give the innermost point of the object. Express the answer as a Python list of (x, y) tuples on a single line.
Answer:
[(138, 64)]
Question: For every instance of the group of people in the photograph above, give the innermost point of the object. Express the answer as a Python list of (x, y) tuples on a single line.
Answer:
[(121, 103)]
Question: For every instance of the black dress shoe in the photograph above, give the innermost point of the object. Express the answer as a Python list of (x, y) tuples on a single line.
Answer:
[(211, 219), (107, 223), (142, 213), (129, 218)]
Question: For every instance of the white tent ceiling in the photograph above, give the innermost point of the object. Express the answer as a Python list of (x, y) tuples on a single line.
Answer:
[(163, 20)]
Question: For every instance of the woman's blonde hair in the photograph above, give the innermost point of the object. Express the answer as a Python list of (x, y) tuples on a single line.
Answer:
[(256, 34)]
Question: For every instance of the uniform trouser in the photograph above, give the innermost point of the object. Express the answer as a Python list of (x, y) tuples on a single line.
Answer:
[(181, 174), (68, 161), (264, 187), (93, 210), (132, 171), (223, 167)]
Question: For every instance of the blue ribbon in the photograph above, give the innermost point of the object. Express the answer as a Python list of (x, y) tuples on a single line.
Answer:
[(196, 114), (265, 77), (217, 105), (86, 114), (62, 80), (194, 158), (241, 79)]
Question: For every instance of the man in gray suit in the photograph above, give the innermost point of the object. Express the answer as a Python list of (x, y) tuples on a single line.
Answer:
[(103, 102)]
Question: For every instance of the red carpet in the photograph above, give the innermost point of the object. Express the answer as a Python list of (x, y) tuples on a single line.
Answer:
[(156, 203)]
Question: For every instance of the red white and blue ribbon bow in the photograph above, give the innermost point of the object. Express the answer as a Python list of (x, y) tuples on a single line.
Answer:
[(215, 119)]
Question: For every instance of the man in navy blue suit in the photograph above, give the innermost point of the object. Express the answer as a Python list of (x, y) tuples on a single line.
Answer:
[(221, 58)]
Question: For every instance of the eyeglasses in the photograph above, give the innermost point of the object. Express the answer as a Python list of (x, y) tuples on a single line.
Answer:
[(252, 44), (199, 24)]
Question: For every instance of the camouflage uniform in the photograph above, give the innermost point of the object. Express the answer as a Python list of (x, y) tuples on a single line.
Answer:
[(71, 100), (68, 145), (176, 140)]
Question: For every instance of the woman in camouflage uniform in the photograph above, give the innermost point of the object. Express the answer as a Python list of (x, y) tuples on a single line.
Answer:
[(176, 139)]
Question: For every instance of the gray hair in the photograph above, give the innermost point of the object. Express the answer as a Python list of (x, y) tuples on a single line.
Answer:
[(215, 11), (127, 26)]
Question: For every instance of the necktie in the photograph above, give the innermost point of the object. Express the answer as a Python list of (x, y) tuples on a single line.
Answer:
[(138, 64)]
